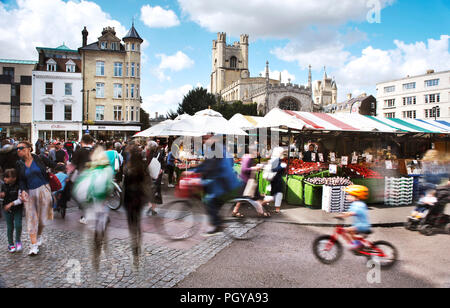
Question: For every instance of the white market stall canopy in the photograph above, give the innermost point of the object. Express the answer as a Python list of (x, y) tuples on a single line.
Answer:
[(245, 122), (297, 120)]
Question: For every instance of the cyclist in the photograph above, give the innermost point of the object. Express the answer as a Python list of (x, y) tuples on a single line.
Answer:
[(358, 210), (220, 181)]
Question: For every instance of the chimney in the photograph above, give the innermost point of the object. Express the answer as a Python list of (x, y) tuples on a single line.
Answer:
[(430, 72), (349, 96), (85, 36), (156, 115)]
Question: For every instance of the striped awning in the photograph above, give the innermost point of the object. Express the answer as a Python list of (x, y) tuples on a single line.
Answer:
[(350, 122)]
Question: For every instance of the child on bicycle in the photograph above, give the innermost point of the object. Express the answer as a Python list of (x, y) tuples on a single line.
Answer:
[(358, 210)]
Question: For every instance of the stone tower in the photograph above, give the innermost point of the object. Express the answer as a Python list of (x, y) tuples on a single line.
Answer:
[(229, 62)]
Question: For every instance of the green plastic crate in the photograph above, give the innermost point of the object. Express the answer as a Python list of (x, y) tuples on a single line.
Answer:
[(295, 190), (313, 195), (376, 189)]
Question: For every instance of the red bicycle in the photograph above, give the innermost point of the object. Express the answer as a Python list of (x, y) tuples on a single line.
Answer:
[(328, 249)]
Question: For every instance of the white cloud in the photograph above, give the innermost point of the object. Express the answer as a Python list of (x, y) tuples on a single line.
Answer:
[(362, 73), (166, 101), (175, 63), (274, 18), (49, 23), (157, 17)]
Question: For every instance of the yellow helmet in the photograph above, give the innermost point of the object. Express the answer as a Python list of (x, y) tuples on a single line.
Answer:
[(362, 192)]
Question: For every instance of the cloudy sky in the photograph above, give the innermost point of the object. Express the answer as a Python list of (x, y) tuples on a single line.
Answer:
[(361, 42)]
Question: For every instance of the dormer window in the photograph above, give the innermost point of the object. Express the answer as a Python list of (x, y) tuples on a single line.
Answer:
[(70, 66), (103, 45), (114, 46), (51, 65)]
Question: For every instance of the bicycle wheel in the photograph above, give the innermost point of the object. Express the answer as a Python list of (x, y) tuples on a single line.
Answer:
[(177, 220), (114, 201), (326, 249), (240, 228), (384, 253)]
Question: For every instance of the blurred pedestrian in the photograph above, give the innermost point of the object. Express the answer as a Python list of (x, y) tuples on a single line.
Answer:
[(277, 168), (153, 152)]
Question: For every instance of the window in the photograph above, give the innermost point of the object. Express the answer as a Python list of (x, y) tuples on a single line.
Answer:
[(389, 103), (99, 113), (15, 114), (409, 100), (132, 114), (390, 115), (70, 68), (128, 71), (132, 69), (9, 71), (49, 112), (431, 83), (103, 45), (411, 114), (137, 114), (126, 114), (408, 86), (133, 46), (126, 92), (117, 69), (233, 62), (132, 91), (67, 112), (51, 65), (432, 98), (117, 90), (100, 68), (68, 89), (14, 90), (100, 90), (49, 88), (433, 112), (138, 71), (389, 89), (114, 46), (117, 113)]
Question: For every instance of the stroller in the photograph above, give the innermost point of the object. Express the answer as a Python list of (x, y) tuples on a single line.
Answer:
[(418, 215), (436, 220)]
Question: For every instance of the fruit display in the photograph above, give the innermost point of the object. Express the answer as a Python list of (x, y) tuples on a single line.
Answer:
[(298, 167), (360, 171), (334, 181)]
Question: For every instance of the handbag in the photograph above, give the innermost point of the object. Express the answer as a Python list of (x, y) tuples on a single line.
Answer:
[(116, 162), (55, 184), (154, 168), (250, 188), (268, 174)]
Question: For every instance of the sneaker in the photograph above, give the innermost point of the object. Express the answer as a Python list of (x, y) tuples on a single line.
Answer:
[(171, 186), (11, 248), (19, 246), (39, 241), (34, 250), (83, 221), (213, 232)]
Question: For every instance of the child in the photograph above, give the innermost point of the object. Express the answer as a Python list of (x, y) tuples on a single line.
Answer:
[(63, 179), (358, 210), (13, 206), (424, 205)]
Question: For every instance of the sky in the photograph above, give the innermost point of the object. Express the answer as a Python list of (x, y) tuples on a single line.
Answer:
[(360, 42)]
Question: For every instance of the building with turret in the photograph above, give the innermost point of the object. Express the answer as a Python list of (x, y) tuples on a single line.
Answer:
[(325, 91), (230, 79), (112, 80)]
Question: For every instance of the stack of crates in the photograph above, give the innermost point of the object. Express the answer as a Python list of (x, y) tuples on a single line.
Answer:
[(398, 191), (334, 199)]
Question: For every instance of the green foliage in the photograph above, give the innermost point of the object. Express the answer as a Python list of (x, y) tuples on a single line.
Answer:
[(199, 99)]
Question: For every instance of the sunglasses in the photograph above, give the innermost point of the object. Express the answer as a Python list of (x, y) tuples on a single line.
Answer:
[(21, 148)]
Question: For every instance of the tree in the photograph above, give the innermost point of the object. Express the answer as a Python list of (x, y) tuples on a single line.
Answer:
[(196, 100), (145, 119), (228, 110)]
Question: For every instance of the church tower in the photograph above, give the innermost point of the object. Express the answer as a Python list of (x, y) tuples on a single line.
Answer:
[(229, 62)]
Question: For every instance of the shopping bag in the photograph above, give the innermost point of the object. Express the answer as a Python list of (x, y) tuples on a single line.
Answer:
[(154, 168), (250, 188), (268, 174), (55, 184), (116, 162)]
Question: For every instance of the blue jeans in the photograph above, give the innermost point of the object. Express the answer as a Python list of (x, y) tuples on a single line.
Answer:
[(14, 221)]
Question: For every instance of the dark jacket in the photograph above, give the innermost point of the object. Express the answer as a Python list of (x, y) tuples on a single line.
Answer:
[(41, 161), (8, 158), (11, 194)]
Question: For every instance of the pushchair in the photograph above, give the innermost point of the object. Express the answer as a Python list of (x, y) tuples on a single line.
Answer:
[(436, 220), (418, 215)]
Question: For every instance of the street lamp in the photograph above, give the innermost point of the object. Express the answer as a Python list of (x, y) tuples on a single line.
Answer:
[(87, 108), (435, 110)]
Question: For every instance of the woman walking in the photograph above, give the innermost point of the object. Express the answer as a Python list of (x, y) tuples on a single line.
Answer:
[(137, 192), (35, 191), (277, 168), (153, 151)]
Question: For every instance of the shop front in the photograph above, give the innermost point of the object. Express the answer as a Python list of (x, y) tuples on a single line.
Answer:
[(111, 132), (56, 131)]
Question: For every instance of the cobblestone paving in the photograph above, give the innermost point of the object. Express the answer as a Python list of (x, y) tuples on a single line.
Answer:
[(65, 261)]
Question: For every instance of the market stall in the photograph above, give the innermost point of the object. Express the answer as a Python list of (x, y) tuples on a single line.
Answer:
[(366, 150)]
